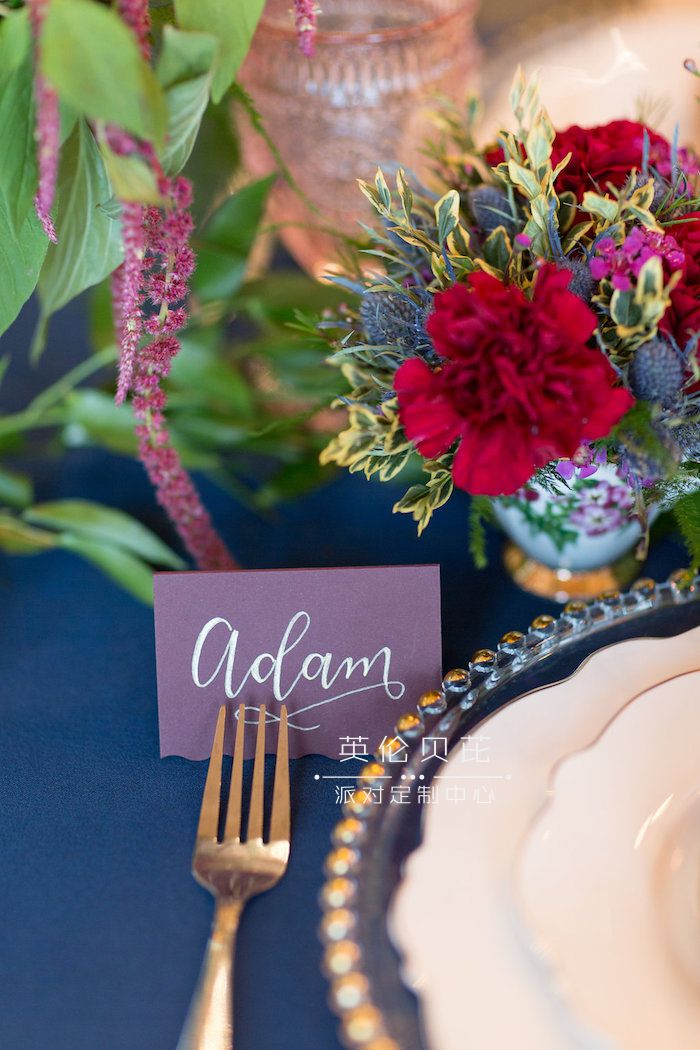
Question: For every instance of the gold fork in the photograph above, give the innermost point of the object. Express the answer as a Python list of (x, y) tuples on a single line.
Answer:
[(234, 871)]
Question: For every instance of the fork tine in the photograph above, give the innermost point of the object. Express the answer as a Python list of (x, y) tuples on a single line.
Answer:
[(235, 795), (279, 821), (257, 794), (211, 799)]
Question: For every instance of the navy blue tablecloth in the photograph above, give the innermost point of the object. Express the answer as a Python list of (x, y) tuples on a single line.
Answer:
[(102, 926)]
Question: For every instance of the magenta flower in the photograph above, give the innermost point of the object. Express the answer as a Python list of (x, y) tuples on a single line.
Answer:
[(126, 295), (305, 21), (47, 127), (149, 291), (167, 264), (621, 263), (136, 15)]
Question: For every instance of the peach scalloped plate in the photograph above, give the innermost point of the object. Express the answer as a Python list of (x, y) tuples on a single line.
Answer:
[(608, 880)]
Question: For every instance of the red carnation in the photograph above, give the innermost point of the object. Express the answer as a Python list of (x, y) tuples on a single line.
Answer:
[(606, 154), (682, 318), (519, 387)]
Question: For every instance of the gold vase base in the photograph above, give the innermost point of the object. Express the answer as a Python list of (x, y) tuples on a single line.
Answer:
[(564, 585)]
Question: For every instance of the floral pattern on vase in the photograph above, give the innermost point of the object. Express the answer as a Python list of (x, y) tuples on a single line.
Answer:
[(590, 523)]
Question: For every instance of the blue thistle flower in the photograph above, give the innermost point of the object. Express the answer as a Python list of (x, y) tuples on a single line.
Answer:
[(491, 209), (394, 319), (656, 372), (581, 283), (687, 437)]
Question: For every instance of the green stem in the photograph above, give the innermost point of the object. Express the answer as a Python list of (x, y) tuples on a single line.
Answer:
[(27, 420), (37, 414)]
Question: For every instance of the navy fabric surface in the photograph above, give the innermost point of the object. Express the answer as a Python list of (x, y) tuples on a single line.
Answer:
[(102, 925)]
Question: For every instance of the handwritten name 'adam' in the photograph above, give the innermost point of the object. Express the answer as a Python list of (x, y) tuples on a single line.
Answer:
[(217, 646)]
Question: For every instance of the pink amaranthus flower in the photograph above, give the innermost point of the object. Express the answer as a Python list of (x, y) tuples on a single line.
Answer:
[(136, 15), (149, 290), (168, 265), (47, 129), (126, 295), (126, 279), (305, 22)]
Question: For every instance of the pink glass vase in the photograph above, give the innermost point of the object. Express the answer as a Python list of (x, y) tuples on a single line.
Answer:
[(360, 102)]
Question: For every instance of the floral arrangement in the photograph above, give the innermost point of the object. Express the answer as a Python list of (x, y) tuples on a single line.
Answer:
[(537, 317)]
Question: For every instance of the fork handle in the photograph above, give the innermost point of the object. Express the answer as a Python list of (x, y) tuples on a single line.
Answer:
[(209, 1024)]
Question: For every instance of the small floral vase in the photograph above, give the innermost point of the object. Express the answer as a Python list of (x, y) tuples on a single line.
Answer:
[(574, 544)]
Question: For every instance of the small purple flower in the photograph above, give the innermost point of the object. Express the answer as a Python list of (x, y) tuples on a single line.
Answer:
[(566, 469), (522, 240), (583, 464)]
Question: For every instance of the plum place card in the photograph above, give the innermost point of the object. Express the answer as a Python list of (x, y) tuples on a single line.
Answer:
[(347, 650)]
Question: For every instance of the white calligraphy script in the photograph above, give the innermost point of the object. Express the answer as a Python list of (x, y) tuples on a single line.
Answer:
[(220, 638)]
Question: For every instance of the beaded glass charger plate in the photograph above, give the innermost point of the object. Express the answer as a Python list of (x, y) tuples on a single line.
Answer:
[(424, 943)]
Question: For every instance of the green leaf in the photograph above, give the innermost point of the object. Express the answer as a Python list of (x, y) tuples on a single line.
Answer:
[(650, 280), (404, 191), (524, 178), (184, 56), (22, 252), (687, 514), (15, 489), (104, 525), (92, 59), (93, 417), (225, 242), (383, 192), (18, 172), (480, 510), (185, 71), (596, 204), (16, 537), (213, 160), (130, 177), (101, 319), (186, 105), (201, 373), (233, 24), (234, 224), (14, 41), (447, 215), (497, 249), (23, 243), (126, 570), (89, 241)]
